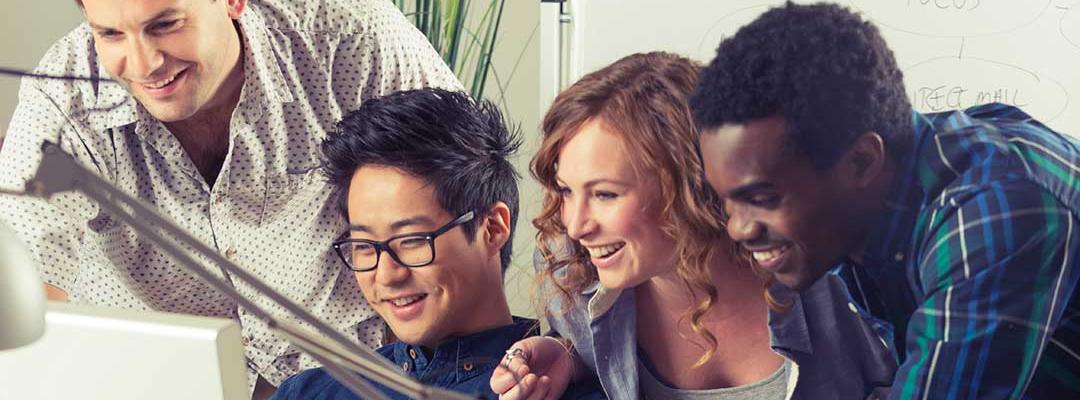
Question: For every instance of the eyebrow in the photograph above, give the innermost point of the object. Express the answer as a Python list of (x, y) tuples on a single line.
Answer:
[(397, 225), (166, 13), (594, 182), (745, 190)]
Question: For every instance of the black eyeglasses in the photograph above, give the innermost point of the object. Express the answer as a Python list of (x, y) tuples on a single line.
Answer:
[(410, 249)]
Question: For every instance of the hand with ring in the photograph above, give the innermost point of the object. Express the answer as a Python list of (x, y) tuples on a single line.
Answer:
[(539, 367), (513, 353)]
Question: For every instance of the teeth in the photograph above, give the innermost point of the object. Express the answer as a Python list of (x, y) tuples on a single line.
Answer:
[(762, 256), (604, 251), (405, 300), (160, 84)]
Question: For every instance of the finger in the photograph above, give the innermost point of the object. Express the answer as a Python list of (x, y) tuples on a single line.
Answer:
[(505, 377), (552, 393), (501, 380), (542, 387), (522, 390)]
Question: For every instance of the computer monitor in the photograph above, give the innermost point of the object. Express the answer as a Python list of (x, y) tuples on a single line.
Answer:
[(92, 352)]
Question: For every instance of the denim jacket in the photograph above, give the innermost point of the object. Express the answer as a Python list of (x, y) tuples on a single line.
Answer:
[(463, 364), (838, 351)]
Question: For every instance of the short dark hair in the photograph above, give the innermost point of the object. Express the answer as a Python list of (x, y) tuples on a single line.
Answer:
[(460, 146), (827, 72)]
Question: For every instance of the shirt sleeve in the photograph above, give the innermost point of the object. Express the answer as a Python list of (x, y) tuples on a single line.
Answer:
[(42, 225), (389, 56), (996, 269)]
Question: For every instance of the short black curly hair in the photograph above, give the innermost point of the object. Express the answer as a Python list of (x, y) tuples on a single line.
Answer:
[(821, 67)]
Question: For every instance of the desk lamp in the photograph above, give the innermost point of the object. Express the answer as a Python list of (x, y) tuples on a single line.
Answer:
[(22, 295)]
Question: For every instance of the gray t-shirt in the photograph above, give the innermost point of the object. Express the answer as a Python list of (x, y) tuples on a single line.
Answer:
[(772, 387)]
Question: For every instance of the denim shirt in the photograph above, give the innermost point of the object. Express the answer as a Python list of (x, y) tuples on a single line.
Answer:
[(463, 364), (838, 351)]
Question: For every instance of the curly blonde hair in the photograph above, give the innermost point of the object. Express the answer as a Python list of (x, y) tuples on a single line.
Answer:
[(643, 99)]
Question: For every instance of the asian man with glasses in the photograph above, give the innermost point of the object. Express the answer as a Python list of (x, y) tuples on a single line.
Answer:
[(431, 199)]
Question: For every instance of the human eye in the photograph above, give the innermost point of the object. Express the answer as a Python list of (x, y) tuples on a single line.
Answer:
[(412, 242), (363, 248), (605, 195), (108, 34), (563, 191), (764, 199), (164, 26)]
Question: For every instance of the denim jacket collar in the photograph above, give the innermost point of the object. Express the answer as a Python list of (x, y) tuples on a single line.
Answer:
[(602, 300)]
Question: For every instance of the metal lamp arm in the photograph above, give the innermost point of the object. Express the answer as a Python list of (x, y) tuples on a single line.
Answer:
[(59, 172)]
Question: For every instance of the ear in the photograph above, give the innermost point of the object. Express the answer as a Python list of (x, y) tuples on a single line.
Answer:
[(235, 8), (866, 159), (495, 229)]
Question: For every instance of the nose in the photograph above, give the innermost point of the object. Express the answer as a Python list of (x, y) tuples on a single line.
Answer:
[(389, 273), (578, 219), (143, 58), (741, 226)]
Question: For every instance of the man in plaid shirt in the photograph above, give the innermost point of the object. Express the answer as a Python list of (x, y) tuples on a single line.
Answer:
[(959, 228)]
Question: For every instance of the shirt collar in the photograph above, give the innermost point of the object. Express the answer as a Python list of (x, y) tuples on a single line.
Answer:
[(112, 105), (263, 72), (788, 332), (889, 243), (602, 299), (484, 347)]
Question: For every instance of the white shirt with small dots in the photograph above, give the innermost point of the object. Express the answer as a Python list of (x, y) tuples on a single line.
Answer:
[(306, 62)]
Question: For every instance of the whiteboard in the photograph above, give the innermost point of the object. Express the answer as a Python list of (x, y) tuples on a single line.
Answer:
[(954, 53)]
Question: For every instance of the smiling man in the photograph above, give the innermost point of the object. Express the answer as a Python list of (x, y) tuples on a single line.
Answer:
[(216, 120), (958, 228), (431, 199)]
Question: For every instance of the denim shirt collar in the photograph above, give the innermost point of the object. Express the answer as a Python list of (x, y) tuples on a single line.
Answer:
[(602, 300), (467, 356)]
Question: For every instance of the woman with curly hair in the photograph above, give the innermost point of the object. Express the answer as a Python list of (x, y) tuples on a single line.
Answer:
[(635, 273), (624, 194)]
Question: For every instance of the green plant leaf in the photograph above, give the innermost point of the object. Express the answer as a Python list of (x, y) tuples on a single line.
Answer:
[(465, 44)]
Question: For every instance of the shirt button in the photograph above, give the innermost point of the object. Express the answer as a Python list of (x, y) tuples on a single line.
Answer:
[(405, 366), (467, 367), (245, 340), (219, 198), (852, 307), (412, 354), (230, 252), (899, 256)]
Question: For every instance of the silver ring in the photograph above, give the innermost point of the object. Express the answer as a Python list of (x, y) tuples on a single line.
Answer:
[(512, 354)]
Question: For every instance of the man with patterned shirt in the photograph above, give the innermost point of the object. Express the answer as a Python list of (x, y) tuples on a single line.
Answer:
[(958, 228), (215, 118)]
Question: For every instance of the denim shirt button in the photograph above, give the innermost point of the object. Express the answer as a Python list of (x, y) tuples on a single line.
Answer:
[(412, 354), (467, 367), (405, 366)]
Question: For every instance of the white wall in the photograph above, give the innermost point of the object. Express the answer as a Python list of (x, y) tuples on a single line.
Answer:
[(954, 53), (516, 63), (27, 29)]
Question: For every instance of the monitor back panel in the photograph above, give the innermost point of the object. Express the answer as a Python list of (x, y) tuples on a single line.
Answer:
[(92, 352)]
